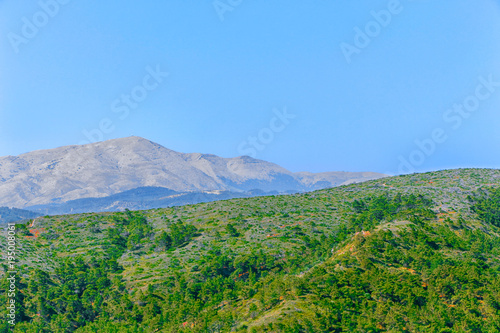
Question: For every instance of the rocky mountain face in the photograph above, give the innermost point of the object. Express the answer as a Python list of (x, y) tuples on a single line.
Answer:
[(45, 179)]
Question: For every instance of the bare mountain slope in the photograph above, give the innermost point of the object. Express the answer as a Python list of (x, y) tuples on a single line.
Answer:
[(105, 168)]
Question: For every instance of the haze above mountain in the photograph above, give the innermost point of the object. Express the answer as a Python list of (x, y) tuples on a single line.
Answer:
[(98, 170)]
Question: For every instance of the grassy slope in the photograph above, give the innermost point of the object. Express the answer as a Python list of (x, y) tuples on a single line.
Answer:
[(267, 223)]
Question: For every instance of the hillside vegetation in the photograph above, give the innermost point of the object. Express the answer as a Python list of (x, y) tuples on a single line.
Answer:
[(415, 253)]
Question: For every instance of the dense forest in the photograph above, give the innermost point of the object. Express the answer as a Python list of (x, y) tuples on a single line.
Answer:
[(417, 253)]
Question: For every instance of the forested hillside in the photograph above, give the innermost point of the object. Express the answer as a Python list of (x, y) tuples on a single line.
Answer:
[(415, 253)]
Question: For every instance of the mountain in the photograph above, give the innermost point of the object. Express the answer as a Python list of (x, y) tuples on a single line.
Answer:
[(13, 214), (141, 198), (413, 253), (45, 179)]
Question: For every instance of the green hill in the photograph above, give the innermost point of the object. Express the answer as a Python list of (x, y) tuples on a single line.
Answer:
[(415, 253)]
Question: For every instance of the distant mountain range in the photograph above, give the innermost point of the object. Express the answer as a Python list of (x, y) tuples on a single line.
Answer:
[(13, 214), (136, 173)]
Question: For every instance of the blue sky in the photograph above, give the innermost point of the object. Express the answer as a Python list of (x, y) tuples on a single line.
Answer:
[(295, 83)]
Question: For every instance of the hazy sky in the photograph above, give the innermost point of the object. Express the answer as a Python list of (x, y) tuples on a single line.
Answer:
[(387, 86)]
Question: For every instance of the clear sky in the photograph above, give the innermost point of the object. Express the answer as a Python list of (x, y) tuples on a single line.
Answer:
[(367, 85)]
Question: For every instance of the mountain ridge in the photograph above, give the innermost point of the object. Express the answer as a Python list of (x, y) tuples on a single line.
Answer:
[(97, 170)]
